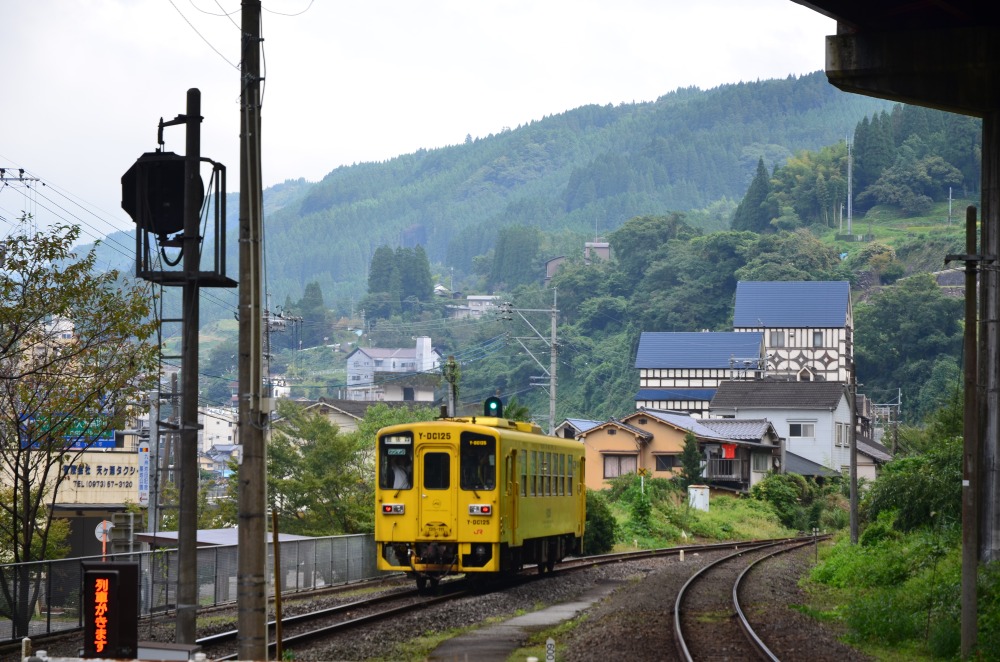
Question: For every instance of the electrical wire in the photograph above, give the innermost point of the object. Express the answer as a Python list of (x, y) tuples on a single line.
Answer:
[(203, 38)]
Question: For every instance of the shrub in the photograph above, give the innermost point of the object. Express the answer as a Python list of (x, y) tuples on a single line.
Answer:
[(789, 494), (879, 530), (920, 489), (602, 529), (989, 607)]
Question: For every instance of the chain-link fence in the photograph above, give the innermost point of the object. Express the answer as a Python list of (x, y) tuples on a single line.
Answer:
[(44, 597)]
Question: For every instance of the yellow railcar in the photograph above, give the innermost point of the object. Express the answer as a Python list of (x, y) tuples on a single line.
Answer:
[(476, 495)]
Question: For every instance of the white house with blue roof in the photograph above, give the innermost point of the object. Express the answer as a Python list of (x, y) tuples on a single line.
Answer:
[(680, 371), (807, 326)]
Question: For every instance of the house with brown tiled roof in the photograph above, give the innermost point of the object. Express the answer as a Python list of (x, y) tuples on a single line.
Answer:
[(736, 453)]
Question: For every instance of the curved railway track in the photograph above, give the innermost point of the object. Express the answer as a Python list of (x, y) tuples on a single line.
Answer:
[(709, 621), (304, 630), (307, 628)]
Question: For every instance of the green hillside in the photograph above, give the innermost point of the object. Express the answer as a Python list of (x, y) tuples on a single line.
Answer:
[(573, 175)]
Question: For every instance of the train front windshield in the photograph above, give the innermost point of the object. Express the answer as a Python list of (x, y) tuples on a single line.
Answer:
[(396, 462), (478, 460)]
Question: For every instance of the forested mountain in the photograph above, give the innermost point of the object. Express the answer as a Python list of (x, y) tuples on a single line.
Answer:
[(695, 191), (572, 175)]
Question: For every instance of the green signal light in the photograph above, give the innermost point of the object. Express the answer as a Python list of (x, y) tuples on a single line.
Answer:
[(493, 407)]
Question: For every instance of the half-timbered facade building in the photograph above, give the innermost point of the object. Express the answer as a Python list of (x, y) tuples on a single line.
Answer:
[(680, 371), (807, 326)]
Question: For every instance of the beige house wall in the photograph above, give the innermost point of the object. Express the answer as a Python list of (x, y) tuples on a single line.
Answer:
[(599, 443)]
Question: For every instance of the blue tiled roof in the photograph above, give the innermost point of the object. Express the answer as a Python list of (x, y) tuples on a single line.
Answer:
[(683, 421), (791, 304), (662, 349), (675, 394), (582, 424), (752, 429)]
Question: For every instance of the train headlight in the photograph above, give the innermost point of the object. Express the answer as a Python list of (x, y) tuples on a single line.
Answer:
[(393, 509), (480, 509)]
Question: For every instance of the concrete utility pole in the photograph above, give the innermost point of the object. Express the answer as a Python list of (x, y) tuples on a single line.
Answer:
[(187, 529), (251, 590), (852, 391)]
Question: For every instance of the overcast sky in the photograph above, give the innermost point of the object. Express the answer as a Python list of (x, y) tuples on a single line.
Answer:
[(85, 82)]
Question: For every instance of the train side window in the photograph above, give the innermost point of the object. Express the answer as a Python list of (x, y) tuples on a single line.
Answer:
[(533, 471), (437, 471), (478, 461), (522, 460), (562, 475), (548, 474), (543, 470), (559, 488), (569, 476)]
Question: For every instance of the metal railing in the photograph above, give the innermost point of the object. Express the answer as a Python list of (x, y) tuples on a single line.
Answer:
[(733, 469), (44, 597)]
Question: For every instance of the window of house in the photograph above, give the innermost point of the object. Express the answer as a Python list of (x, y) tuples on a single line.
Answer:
[(666, 462), (619, 465), (408, 394), (777, 339), (761, 462), (842, 438), (817, 338), (612, 431), (802, 430)]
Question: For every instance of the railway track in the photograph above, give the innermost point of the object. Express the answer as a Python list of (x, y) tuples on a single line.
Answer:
[(406, 613), (709, 621), (307, 629), (304, 628)]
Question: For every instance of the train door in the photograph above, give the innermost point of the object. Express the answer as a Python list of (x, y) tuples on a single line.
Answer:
[(438, 501)]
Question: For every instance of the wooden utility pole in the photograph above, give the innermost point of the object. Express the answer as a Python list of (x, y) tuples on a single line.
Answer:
[(989, 345), (251, 589), (970, 446)]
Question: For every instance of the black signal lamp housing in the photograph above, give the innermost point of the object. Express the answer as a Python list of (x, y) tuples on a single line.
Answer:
[(493, 407), (153, 192)]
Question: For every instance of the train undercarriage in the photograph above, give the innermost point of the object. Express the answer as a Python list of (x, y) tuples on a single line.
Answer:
[(430, 562)]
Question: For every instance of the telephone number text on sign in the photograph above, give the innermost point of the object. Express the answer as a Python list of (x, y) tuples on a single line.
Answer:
[(103, 484)]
